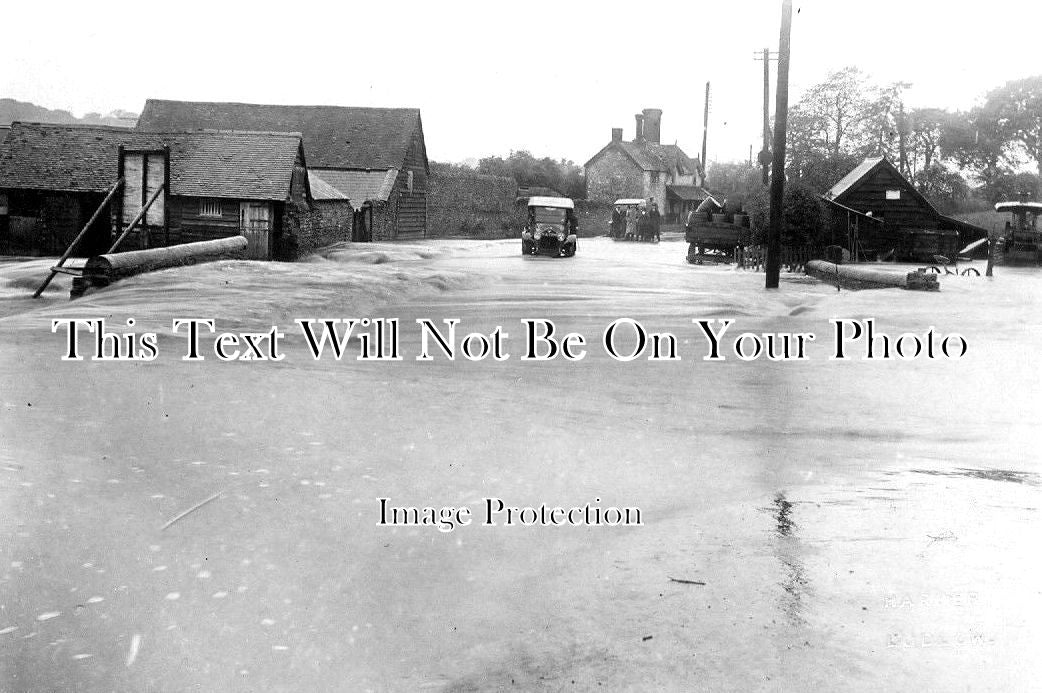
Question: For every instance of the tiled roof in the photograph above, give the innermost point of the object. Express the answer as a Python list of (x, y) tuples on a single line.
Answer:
[(321, 190), (650, 156), (360, 186), (244, 165), (334, 136)]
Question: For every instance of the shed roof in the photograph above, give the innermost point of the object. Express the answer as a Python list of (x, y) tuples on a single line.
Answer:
[(860, 171), (83, 158), (321, 190), (359, 186), (334, 136)]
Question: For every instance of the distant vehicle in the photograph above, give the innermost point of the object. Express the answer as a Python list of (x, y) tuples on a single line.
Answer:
[(552, 227), (1021, 241), (633, 220)]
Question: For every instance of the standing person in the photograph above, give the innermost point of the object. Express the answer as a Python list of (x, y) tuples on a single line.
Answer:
[(655, 221), (631, 224), (618, 222)]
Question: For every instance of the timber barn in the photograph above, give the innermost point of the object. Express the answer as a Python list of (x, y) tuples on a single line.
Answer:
[(171, 188), (876, 210), (645, 168), (376, 157)]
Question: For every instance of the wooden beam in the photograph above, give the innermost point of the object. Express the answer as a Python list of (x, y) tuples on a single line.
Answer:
[(138, 218), (83, 232)]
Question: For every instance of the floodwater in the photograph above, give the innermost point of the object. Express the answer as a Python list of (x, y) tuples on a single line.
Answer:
[(807, 524)]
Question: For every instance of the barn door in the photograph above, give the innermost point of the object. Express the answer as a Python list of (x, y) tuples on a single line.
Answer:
[(255, 225)]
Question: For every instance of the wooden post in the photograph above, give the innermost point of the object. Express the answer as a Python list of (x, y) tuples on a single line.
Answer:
[(766, 115), (778, 165), (83, 232), (139, 217), (705, 128)]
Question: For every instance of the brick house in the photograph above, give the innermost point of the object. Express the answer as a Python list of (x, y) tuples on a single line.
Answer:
[(376, 157), (646, 168), (207, 184)]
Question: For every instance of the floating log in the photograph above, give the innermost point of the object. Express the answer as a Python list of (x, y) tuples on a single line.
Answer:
[(101, 270), (862, 277)]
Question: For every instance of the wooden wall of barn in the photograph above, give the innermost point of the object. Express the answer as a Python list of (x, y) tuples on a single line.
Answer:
[(46, 223), (907, 212), (410, 206)]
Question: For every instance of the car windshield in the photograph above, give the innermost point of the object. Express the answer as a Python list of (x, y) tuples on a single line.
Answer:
[(549, 215)]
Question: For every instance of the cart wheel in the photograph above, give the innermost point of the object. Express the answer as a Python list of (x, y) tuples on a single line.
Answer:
[(971, 272)]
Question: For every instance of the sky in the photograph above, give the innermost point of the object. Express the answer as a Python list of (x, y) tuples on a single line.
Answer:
[(552, 78)]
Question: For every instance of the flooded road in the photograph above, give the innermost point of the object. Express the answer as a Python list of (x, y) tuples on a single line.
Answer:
[(808, 524)]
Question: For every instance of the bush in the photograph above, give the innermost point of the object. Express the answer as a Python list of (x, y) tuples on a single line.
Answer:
[(803, 221)]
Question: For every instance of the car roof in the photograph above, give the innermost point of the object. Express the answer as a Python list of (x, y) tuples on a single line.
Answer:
[(1018, 206), (539, 201)]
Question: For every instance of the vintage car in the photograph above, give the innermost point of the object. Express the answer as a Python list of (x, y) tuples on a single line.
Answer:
[(552, 227)]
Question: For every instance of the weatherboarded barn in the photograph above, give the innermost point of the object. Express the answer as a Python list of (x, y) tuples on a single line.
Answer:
[(890, 217), (206, 185), (365, 147), (645, 168)]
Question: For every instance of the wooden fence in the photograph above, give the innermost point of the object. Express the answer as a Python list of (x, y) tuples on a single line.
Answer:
[(754, 257)]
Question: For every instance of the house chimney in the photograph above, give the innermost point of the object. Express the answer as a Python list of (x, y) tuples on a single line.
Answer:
[(640, 128), (616, 134), (653, 125)]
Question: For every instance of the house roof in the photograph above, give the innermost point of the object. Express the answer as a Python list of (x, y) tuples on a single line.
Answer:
[(334, 136), (359, 186), (83, 158), (692, 193), (649, 156)]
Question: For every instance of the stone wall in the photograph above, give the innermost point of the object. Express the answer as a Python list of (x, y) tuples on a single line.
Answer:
[(328, 222), (461, 202), (613, 176)]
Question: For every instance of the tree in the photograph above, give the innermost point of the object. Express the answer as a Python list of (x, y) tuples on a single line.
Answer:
[(925, 129), (803, 213), (972, 140), (944, 188), (1017, 108), (563, 176)]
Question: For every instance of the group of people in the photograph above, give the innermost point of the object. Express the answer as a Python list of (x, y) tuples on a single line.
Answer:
[(642, 223)]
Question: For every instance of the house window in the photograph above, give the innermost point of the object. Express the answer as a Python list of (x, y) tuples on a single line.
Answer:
[(893, 194), (209, 208), (410, 182)]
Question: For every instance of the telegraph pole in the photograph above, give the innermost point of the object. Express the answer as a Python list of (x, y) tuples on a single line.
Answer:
[(781, 118), (705, 128), (765, 154)]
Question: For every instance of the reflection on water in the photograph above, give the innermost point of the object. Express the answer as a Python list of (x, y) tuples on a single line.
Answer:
[(788, 550), (987, 474)]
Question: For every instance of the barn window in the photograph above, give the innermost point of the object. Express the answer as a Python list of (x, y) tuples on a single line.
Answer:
[(893, 194), (209, 208), (410, 182), (3, 203)]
